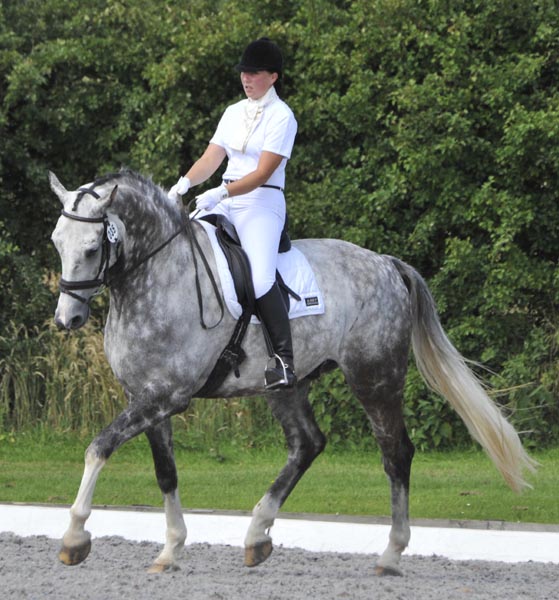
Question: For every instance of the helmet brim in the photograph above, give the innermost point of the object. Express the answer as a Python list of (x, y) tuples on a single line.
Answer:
[(241, 68)]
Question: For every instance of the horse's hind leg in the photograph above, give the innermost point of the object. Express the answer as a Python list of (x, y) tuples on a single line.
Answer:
[(161, 441), (382, 400), (305, 442), (397, 453)]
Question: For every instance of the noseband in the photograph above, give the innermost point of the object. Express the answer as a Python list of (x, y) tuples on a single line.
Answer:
[(69, 287)]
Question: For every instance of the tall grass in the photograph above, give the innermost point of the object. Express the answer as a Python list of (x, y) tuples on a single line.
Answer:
[(62, 381), (21, 380), (57, 380), (81, 392)]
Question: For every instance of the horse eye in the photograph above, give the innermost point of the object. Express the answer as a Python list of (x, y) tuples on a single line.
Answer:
[(91, 252)]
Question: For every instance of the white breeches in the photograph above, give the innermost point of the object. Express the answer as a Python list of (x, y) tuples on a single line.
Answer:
[(259, 218)]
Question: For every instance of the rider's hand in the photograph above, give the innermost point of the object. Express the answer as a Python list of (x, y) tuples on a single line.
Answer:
[(179, 189), (211, 198)]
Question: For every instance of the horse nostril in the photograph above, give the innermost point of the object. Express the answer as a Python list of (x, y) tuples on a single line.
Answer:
[(76, 322)]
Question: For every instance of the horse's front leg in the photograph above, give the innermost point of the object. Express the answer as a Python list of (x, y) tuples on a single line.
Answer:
[(305, 442), (135, 419), (76, 542), (161, 440)]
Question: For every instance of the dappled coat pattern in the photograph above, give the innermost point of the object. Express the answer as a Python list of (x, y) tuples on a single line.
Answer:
[(161, 354)]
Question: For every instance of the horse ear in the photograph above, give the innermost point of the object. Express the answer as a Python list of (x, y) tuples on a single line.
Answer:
[(106, 201), (57, 187), (113, 195)]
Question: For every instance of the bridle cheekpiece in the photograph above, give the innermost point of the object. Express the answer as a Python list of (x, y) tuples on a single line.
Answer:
[(110, 236)]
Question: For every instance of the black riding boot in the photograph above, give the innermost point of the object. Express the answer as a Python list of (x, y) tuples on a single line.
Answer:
[(272, 312)]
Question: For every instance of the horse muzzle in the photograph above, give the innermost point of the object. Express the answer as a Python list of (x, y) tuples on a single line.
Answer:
[(70, 314)]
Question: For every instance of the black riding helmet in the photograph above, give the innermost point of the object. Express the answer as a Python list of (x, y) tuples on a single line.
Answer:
[(261, 55)]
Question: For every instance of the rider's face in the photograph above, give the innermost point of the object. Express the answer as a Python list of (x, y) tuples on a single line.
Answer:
[(257, 84)]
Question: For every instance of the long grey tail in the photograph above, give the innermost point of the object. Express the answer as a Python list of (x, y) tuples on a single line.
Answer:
[(446, 372)]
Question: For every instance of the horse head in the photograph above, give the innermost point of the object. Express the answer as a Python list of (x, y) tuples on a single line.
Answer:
[(86, 241)]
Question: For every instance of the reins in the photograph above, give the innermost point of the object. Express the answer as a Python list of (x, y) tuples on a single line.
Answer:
[(152, 253), (68, 287), (194, 244)]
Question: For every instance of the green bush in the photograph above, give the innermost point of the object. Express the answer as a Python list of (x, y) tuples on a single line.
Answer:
[(427, 130)]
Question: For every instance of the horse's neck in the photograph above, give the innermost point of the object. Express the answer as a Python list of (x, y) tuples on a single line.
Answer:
[(146, 227), (147, 273)]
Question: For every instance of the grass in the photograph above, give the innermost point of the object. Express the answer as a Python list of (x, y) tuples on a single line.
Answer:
[(456, 485)]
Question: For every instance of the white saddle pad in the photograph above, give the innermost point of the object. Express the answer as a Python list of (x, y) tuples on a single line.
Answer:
[(294, 269)]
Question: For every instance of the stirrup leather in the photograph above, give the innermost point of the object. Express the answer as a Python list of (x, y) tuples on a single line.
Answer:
[(280, 375)]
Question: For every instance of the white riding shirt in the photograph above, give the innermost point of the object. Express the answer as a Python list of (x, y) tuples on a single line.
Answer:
[(245, 130), (273, 130)]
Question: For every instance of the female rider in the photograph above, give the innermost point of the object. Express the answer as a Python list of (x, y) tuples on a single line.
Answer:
[(256, 135)]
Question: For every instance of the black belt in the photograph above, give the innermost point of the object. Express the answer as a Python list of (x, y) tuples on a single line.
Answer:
[(265, 185)]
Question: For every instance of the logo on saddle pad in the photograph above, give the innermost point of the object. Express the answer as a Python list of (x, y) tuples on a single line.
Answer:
[(312, 301)]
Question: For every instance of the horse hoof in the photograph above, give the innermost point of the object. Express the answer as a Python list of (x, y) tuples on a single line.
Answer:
[(76, 555), (254, 555), (387, 571), (160, 568)]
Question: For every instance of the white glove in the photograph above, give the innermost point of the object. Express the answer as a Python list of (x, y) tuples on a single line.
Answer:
[(211, 198), (179, 189)]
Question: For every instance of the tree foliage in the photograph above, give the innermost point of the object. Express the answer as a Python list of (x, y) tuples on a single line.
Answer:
[(427, 129)]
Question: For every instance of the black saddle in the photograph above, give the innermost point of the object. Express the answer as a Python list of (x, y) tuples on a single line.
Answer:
[(233, 354), (238, 262)]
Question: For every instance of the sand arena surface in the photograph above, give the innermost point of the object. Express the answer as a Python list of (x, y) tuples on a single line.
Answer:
[(116, 570)]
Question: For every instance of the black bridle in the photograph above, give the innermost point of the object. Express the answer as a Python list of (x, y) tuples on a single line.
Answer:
[(102, 278), (69, 287)]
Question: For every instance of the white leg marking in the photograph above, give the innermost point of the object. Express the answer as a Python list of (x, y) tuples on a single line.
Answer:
[(263, 516), (175, 534), (399, 533), (75, 536)]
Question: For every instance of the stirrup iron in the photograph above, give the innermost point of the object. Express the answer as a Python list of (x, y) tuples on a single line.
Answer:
[(281, 375)]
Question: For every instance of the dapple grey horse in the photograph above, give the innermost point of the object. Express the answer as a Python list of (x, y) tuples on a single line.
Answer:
[(123, 229)]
